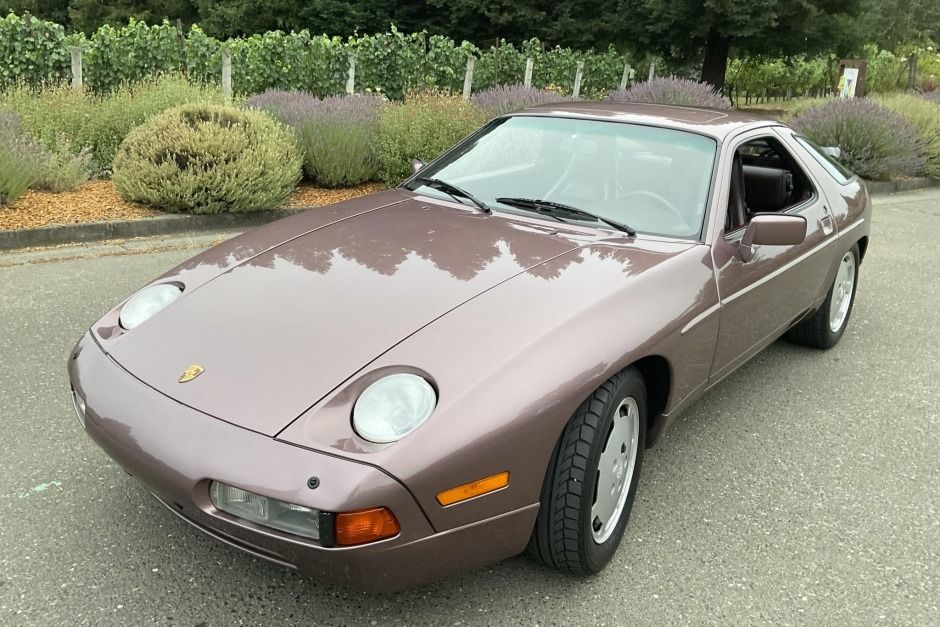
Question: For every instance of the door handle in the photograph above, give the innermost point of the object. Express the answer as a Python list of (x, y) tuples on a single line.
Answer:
[(826, 223)]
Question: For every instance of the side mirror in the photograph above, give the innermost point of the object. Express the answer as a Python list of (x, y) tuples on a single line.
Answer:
[(772, 229), (416, 165), (833, 151)]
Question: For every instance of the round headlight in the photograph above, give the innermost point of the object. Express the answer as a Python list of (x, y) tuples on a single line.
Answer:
[(146, 303), (393, 407)]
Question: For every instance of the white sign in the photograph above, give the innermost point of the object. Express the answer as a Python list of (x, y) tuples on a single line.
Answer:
[(848, 82)]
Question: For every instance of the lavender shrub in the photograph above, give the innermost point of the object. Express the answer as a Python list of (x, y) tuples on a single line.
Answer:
[(672, 91), (876, 143), (932, 96), (20, 158), (503, 99), (339, 140), (337, 133), (290, 107)]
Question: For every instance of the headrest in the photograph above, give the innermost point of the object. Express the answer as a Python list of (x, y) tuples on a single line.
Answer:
[(767, 189)]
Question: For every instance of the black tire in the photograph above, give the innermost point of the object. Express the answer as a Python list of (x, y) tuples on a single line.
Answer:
[(814, 330), (563, 537)]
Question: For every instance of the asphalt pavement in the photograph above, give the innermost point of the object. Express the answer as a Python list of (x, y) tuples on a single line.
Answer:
[(805, 489)]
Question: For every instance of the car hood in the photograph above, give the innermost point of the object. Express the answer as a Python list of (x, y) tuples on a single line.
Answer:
[(277, 331)]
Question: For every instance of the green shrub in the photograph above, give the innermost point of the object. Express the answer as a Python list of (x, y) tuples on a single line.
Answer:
[(100, 123), (63, 169), (925, 116), (208, 159), (131, 105), (876, 142), (54, 112), (422, 127)]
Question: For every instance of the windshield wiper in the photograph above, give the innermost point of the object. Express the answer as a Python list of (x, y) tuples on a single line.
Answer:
[(557, 209), (452, 190)]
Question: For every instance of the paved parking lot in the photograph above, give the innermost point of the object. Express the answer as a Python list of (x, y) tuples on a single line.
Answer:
[(803, 490)]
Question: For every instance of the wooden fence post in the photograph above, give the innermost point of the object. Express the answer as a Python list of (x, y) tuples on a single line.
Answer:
[(227, 75), (529, 64), (468, 77), (626, 75), (577, 80), (77, 80), (351, 77)]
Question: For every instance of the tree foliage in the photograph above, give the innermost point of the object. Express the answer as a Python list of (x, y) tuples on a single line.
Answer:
[(687, 28)]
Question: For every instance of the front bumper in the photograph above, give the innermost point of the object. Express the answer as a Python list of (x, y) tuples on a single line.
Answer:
[(175, 451)]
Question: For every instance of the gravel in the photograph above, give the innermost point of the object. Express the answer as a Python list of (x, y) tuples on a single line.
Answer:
[(99, 201)]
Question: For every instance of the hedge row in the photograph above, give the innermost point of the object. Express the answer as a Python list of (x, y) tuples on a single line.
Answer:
[(35, 52)]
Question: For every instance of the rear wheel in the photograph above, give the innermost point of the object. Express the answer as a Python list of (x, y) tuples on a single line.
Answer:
[(824, 328), (592, 477)]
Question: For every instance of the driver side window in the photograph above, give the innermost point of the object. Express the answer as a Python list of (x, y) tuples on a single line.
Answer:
[(764, 178)]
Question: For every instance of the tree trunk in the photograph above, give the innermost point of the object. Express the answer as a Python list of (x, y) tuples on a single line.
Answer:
[(716, 59)]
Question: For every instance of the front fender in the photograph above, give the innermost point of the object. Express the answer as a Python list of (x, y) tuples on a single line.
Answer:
[(513, 364)]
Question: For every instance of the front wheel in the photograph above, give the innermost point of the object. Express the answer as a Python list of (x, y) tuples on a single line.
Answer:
[(592, 478), (824, 327)]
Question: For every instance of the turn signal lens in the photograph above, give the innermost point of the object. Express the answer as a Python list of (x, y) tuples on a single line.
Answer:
[(472, 489), (365, 526)]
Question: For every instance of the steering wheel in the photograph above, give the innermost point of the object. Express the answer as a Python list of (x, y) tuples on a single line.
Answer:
[(659, 200)]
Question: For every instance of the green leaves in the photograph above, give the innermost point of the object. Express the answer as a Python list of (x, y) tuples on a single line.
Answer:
[(36, 52), (31, 51), (208, 159)]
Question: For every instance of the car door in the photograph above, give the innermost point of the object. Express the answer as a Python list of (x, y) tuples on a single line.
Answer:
[(760, 298)]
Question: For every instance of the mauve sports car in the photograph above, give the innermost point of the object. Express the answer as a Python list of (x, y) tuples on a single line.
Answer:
[(396, 388)]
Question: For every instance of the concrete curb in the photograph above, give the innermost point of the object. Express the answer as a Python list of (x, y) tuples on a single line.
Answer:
[(908, 185), (55, 234)]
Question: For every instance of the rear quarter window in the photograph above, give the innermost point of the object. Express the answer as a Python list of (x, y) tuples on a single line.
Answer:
[(835, 169)]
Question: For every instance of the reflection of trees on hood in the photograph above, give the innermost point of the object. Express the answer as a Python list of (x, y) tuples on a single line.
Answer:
[(463, 246)]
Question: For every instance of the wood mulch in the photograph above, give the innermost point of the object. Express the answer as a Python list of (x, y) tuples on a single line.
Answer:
[(98, 201)]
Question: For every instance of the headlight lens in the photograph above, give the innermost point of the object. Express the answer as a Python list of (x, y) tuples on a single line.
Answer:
[(289, 517), (146, 303), (393, 407)]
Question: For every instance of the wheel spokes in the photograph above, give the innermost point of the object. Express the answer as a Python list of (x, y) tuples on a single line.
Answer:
[(842, 292), (615, 470)]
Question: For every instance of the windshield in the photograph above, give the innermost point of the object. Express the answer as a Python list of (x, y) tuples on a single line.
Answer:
[(654, 179)]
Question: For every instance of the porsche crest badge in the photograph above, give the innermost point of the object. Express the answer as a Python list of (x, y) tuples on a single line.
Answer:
[(191, 373)]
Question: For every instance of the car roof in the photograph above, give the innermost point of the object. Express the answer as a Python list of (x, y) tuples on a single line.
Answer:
[(717, 123)]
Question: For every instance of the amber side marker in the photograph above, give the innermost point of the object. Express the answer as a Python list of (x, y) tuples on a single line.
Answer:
[(364, 526), (472, 489)]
